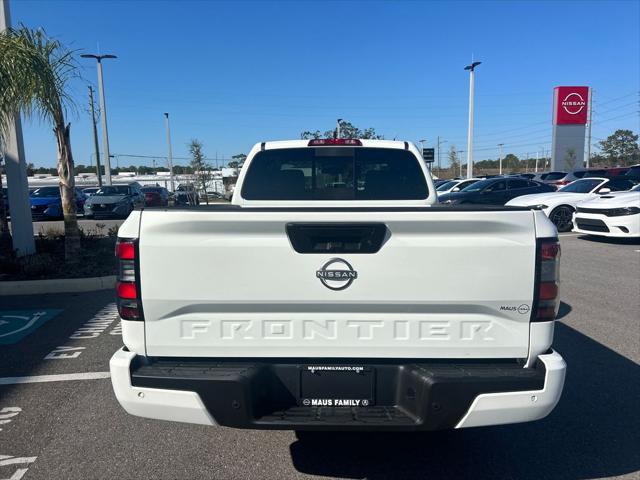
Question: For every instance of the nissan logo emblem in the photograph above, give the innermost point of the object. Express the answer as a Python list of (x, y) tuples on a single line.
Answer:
[(573, 103), (336, 274)]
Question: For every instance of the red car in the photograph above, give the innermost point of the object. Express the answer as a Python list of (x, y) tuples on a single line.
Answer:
[(155, 196)]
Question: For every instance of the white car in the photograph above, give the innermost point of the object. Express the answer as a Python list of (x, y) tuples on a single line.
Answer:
[(615, 215), (560, 205), (455, 185)]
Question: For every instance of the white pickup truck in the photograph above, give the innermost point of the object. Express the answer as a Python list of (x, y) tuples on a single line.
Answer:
[(334, 294)]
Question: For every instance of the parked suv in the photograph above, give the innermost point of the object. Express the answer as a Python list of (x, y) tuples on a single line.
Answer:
[(155, 196), (114, 201), (585, 173)]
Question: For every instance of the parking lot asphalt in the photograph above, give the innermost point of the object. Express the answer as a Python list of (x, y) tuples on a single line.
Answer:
[(75, 429)]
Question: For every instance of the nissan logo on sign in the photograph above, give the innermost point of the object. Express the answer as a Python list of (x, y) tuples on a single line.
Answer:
[(570, 105), (573, 103)]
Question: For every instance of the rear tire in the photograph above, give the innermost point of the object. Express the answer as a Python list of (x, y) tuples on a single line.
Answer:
[(562, 218)]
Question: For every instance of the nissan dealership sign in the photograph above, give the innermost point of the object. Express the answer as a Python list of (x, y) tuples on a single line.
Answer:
[(570, 105), (570, 116)]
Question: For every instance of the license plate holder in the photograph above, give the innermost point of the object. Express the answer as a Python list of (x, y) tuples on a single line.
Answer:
[(337, 386)]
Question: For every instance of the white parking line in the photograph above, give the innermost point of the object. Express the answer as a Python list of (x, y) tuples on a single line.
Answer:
[(570, 234), (63, 377)]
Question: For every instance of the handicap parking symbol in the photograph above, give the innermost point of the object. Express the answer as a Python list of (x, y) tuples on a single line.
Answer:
[(17, 324)]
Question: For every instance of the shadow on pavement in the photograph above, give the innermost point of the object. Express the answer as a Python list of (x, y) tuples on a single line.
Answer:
[(592, 433), (563, 310)]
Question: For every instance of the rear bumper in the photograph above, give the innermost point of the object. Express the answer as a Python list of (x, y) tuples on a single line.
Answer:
[(408, 396)]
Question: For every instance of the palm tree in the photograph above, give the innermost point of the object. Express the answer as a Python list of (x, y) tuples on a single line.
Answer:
[(35, 73)]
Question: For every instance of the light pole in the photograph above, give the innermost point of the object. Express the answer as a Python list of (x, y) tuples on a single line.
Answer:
[(500, 145), (95, 136), (439, 142), (103, 112), (170, 154), (471, 69), (422, 152), (338, 127)]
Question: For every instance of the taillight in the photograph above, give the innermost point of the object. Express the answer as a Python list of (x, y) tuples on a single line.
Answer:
[(546, 299), (318, 142), (127, 286)]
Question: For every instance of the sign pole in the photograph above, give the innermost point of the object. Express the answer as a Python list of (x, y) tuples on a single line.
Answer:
[(16, 168), (588, 156)]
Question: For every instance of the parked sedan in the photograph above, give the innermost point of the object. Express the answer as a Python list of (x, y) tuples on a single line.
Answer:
[(559, 206), (155, 196), (613, 215), (495, 191), (114, 201), (46, 203), (454, 185), (633, 174), (437, 183), (90, 191)]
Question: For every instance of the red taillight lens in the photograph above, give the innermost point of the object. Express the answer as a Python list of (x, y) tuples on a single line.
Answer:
[(548, 279), (549, 251), (548, 290), (125, 250), (127, 289), (318, 142)]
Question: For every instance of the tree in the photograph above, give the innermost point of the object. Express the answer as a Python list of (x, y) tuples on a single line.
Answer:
[(511, 162), (35, 73), (309, 135), (347, 130), (236, 161), (620, 148), (202, 173), (570, 158), (454, 161)]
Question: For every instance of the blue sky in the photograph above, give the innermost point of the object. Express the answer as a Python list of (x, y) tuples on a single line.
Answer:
[(233, 74)]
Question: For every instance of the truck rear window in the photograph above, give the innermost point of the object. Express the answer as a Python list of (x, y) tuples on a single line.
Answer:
[(335, 173)]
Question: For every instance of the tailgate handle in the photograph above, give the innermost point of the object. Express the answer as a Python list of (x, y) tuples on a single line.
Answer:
[(337, 237)]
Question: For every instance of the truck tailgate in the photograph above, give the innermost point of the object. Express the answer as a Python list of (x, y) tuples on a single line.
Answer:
[(444, 283)]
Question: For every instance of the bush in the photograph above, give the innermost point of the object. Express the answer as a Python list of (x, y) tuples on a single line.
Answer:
[(97, 259)]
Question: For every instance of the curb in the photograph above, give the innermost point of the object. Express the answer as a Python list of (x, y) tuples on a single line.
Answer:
[(58, 285)]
